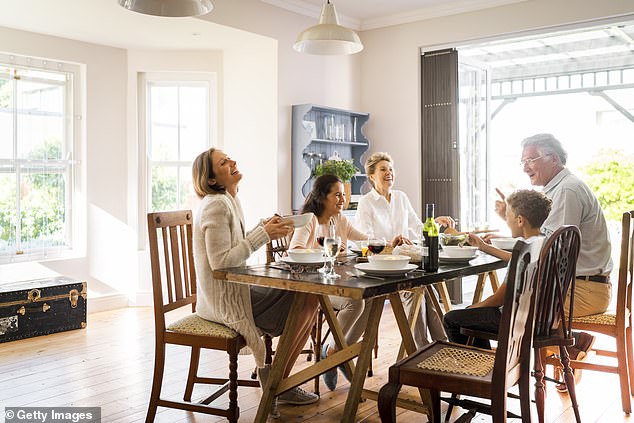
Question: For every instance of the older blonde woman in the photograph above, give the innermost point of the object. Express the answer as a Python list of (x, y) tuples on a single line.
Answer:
[(220, 240), (388, 213)]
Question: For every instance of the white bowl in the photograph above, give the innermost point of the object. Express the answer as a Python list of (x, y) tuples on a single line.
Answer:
[(388, 261), (305, 255), (504, 243), (298, 220), (455, 251)]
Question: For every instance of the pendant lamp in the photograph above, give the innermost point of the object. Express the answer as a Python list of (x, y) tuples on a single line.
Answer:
[(169, 8), (328, 37)]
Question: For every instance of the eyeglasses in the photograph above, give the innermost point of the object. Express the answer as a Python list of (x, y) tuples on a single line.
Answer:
[(531, 161)]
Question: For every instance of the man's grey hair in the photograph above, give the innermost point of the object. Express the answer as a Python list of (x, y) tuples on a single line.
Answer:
[(548, 144)]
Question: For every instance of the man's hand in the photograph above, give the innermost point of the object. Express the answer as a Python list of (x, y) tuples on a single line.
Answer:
[(500, 205)]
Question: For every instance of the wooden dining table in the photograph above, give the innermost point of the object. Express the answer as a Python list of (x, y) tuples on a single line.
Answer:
[(353, 284)]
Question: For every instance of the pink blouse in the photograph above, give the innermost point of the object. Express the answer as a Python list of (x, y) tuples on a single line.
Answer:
[(306, 237)]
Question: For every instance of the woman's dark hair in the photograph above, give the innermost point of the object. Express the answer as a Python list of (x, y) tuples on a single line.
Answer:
[(202, 172), (321, 187)]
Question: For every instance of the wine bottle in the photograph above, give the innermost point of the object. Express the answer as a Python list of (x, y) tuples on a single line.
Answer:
[(430, 233)]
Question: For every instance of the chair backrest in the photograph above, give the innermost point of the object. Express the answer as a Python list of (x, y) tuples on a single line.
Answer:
[(624, 288), (516, 325), (172, 258), (277, 248), (557, 268)]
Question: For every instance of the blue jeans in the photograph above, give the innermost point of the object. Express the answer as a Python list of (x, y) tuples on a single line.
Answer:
[(486, 319)]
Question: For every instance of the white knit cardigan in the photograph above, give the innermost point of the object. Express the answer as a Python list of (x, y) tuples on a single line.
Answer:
[(220, 241)]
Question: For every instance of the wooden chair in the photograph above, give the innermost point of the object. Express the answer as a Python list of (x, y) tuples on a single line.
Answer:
[(557, 268), (616, 323), (174, 287), (557, 264), (444, 366)]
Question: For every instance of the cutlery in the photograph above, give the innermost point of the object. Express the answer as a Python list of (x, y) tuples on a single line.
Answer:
[(364, 275)]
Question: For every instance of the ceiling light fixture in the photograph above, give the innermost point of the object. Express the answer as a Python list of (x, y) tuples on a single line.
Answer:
[(328, 37), (169, 8)]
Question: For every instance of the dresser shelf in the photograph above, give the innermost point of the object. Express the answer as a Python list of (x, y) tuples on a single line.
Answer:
[(319, 133)]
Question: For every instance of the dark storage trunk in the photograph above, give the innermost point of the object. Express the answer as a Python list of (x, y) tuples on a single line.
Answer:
[(40, 307)]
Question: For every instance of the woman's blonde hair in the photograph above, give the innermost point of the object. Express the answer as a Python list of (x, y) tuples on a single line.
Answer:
[(202, 172), (373, 160)]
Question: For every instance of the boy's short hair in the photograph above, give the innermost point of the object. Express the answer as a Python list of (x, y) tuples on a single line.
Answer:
[(534, 206)]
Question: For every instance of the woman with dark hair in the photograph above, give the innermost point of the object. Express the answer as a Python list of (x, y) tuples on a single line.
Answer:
[(220, 241), (326, 202)]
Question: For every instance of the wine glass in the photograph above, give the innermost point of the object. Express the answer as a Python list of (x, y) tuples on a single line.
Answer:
[(331, 248), (323, 231), (376, 244)]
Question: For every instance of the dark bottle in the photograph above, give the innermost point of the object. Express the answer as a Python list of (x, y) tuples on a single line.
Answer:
[(430, 233)]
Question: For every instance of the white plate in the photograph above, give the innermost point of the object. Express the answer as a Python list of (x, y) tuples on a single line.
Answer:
[(442, 258), (371, 270), (289, 260)]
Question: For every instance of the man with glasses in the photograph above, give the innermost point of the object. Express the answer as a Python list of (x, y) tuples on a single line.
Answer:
[(573, 203)]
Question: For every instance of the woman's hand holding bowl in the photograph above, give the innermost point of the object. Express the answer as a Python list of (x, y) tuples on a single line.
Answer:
[(276, 228)]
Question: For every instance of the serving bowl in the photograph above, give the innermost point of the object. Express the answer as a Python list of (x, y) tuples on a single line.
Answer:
[(306, 255), (298, 220), (388, 261), (504, 243), (454, 251), (451, 239)]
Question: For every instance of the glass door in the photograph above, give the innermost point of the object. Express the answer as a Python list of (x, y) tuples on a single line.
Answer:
[(473, 132)]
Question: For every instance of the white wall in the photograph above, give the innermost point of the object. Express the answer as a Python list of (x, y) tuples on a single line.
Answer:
[(328, 81), (391, 93)]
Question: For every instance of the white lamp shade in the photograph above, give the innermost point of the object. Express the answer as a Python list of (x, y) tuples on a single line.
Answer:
[(169, 8), (328, 37)]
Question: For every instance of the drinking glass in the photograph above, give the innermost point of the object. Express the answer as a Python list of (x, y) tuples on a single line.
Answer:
[(376, 245), (323, 230), (331, 248)]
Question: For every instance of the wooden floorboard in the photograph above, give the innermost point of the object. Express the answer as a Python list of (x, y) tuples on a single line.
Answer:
[(110, 364)]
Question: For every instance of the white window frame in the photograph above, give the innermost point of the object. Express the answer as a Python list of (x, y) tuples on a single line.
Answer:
[(144, 80), (72, 140)]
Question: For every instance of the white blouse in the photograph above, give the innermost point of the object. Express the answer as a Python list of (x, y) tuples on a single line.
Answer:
[(375, 215)]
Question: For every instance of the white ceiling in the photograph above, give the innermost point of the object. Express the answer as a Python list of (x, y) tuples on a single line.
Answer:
[(370, 14), (105, 22)]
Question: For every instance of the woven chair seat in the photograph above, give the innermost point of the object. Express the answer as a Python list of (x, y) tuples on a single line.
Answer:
[(606, 319), (195, 325), (459, 361)]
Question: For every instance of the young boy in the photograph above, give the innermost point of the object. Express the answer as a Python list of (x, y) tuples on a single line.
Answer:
[(525, 212)]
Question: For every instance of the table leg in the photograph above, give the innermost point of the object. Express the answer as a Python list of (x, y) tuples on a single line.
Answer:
[(477, 294), (281, 356), (363, 360), (495, 282), (408, 339), (335, 329), (419, 297), (479, 289), (444, 295)]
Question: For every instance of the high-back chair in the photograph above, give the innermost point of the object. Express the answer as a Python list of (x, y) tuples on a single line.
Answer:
[(557, 262), (616, 323), (556, 277), (174, 287), (462, 369)]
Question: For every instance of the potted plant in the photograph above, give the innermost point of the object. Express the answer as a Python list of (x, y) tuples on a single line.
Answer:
[(344, 169)]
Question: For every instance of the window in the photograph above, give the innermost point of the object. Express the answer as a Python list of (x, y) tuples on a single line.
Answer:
[(178, 129), (37, 132)]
